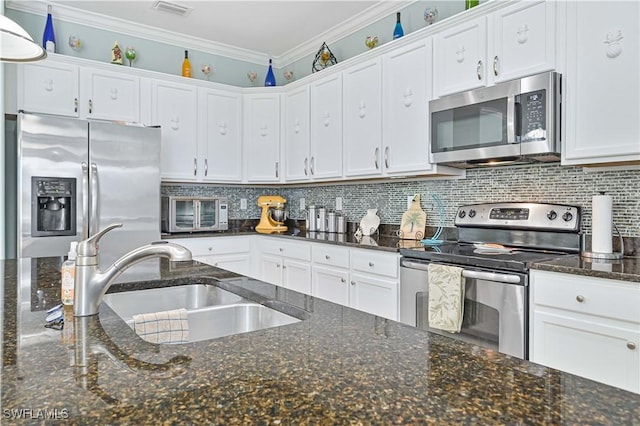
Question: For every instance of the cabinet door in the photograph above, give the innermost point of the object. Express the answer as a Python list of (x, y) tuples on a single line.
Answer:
[(271, 269), (331, 284), (49, 87), (602, 87), (589, 348), (460, 57), (326, 128), (524, 40), (374, 295), (174, 108), (297, 276), (262, 143), (238, 263), (407, 80), (220, 136), (110, 95), (297, 135), (362, 115)]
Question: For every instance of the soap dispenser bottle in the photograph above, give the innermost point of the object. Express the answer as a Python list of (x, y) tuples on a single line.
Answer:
[(68, 275)]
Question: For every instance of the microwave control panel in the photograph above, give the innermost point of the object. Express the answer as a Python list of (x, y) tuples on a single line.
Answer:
[(533, 121)]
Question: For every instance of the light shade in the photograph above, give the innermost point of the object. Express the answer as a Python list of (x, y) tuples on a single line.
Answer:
[(16, 45)]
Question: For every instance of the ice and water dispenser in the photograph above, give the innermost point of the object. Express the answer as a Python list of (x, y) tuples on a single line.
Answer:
[(53, 206)]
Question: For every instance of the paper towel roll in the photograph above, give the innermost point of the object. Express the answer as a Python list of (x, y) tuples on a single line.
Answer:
[(602, 224)]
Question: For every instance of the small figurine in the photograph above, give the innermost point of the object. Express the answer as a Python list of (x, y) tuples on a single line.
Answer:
[(371, 42), (116, 54), (288, 75), (430, 15)]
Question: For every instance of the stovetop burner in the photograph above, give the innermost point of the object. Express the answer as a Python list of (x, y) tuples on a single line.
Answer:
[(530, 232)]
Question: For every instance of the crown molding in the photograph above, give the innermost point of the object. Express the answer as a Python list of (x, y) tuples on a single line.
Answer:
[(107, 23), (70, 14)]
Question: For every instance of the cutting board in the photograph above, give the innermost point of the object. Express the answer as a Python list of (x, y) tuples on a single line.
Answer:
[(414, 221)]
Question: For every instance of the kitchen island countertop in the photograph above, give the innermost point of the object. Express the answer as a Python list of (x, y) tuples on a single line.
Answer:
[(338, 366)]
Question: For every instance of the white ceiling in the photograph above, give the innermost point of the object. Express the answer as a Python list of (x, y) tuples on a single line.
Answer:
[(261, 28)]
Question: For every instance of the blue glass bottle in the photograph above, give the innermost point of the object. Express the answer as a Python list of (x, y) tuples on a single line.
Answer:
[(49, 37), (397, 31), (270, 79)]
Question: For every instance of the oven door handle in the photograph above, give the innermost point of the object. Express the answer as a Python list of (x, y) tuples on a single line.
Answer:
[(492, 276)]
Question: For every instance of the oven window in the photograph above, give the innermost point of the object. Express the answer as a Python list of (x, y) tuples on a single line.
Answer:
[(481, 324), (184, 214), (473, 126), (208, 214)]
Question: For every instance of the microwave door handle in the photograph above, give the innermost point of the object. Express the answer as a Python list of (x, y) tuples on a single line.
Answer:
[(196, 214), (517, 113), (512, 119)]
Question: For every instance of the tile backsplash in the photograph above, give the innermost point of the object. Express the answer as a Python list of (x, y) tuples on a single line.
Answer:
[(550, 183)]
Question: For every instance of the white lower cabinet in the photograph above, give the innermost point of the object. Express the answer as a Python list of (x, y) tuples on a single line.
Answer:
[(285, 263), (230, 253), (343, 275), (586, 326)]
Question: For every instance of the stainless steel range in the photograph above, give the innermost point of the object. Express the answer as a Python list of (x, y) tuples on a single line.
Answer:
[(496, 245)]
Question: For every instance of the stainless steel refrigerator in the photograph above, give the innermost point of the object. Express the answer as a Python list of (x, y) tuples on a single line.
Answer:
[(77, 176)]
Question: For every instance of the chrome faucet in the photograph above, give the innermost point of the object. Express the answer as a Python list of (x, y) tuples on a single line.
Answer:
[(91, 284)]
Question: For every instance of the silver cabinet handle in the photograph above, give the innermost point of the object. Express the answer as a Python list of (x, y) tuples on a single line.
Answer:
[(580, 298), (371, 265), (375, 158), (75, 105), (277, 265), (277, 171), (326, 256), (312, 165), (342, 280), (90, 106), (280, 249), (206, 167), (386, 157), (495, 65), (306, 163), (631, 345), (478, 69), (85, 201), (353, 283), (195, 166), (210, 248), (284, 266)]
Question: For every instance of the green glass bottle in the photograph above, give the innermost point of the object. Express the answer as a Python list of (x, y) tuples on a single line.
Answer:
[(468, 4)]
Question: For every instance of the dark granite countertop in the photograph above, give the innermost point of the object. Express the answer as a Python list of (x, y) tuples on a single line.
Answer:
[(338, 366), (626, 269)]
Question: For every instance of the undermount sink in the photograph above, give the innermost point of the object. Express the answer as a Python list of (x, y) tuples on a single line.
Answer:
[(211, 311)]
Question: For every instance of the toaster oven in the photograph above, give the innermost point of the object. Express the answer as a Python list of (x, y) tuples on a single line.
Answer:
[(193, 214)]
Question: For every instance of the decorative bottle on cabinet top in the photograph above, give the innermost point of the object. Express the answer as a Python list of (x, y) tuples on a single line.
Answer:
[(398, 31), (270, 79), (49, 37), (468, 4), (186, 65)]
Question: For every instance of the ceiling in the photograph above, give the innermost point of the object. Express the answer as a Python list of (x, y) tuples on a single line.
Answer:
[(267, 28)]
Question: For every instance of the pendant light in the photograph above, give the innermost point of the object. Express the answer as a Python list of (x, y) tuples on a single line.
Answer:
[(16, 45)]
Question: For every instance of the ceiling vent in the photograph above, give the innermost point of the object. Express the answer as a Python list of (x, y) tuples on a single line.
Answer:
[(173, 8)]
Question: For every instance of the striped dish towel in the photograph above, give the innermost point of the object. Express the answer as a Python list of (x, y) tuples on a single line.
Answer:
[(446, 297), (163, 327)]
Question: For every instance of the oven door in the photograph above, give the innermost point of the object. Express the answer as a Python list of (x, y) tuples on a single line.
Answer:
[(495, 306)]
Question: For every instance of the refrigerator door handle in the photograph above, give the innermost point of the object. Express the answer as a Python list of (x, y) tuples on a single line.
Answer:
[(85, 200), (93, 222)]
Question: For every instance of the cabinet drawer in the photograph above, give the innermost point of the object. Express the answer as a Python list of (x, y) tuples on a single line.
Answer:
[(593, 296), (281, 247), (326, 254), (373, 262), (215, 245)]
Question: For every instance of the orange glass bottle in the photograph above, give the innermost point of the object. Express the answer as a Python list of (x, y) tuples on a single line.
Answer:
[(186, 65)]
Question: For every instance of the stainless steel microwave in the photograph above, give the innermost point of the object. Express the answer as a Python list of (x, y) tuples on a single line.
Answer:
[(514, 122), (194, 214)]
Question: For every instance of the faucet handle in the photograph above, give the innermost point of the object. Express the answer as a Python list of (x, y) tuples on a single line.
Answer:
[(89, 247)]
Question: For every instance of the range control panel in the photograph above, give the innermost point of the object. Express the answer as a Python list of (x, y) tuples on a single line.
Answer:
[(556, 217)]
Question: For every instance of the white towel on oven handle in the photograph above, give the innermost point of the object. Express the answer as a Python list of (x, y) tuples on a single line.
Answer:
[(446, 297)]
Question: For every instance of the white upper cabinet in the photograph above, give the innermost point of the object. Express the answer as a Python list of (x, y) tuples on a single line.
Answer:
[(49, 87), (524, 40), (406, 91), (220, 135), (326, 128), (362, 112), (174, 108), (602, 87), (513, 42), (262, 137), (297, 135), (58, 87), (460, 57)]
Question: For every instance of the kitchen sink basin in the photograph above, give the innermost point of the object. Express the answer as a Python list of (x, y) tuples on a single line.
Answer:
[(211, 311)]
